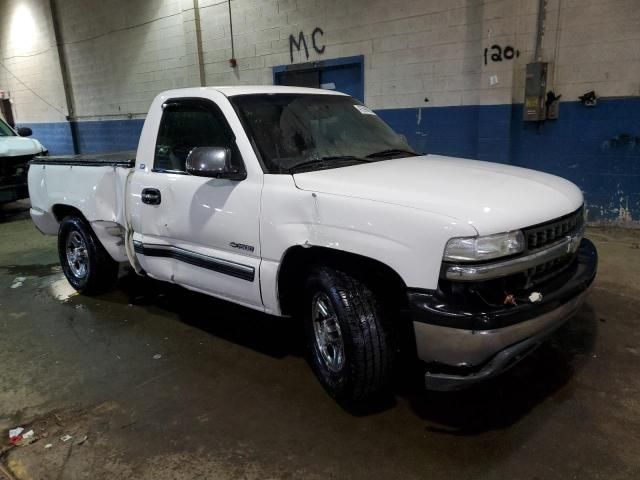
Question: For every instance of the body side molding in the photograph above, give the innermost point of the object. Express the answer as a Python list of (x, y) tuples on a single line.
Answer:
[(219, 265)]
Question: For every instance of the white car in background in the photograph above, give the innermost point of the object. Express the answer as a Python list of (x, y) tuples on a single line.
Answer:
[(15, 153)]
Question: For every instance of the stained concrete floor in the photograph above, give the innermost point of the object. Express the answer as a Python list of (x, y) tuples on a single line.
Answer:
[(154, 382)]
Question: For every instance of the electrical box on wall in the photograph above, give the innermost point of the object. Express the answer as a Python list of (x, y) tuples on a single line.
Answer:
[(535, 92)]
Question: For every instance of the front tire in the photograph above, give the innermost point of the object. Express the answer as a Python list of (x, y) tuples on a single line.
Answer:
[(350, 348), (86, 264)]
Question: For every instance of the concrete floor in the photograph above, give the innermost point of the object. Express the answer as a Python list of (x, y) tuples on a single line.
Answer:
[(231, 396)]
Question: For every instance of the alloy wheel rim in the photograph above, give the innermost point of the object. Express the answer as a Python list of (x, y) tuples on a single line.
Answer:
[(328, 335), (77, 255)]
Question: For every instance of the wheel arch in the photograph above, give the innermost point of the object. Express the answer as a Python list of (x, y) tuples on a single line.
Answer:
[(61, 210), (113, 243), (298, 260)]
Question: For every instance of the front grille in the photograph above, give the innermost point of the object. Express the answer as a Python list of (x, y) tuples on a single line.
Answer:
[(545, 271), (547, 233), (14, 169)]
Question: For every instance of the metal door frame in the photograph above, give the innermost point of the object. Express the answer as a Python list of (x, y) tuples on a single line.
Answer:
[(357, 60)]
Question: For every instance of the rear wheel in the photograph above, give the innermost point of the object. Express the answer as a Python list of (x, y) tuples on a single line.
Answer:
[(350, 348), (86, 264)]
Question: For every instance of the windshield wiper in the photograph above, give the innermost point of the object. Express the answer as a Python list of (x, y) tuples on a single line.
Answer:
[(322, 160), (392, 151)]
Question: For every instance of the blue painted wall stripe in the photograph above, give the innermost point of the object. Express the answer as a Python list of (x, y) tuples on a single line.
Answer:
[(93, 137), (56, 137), (597, 148)]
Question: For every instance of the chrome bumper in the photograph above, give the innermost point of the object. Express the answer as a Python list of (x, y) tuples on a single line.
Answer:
[(468, 348), (464, 347)]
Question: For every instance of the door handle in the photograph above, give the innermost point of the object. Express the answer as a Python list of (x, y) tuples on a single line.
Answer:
[(151, 196)]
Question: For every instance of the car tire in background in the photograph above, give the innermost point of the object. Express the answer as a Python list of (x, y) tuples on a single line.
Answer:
[(86, 264)]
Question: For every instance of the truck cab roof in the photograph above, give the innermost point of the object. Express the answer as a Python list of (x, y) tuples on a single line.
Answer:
[(231, 91)]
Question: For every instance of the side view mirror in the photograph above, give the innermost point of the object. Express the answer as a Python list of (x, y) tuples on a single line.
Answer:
[(213, 162), (24, 131)]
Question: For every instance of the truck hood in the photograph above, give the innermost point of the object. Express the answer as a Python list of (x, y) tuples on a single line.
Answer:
[(18, 146), (491, 197)]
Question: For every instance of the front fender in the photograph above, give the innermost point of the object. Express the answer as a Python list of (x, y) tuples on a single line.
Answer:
[(408, 240)]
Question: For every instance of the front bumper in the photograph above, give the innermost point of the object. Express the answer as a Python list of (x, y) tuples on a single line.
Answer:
[(464, 347)]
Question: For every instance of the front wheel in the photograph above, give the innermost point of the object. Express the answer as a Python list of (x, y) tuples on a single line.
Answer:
[(86, 264), (350, 348)]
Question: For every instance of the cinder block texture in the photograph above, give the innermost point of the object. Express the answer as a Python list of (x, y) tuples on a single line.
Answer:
[(121, 53), (467, 57)]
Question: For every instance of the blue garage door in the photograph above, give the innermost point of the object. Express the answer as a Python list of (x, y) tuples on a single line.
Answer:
[(341, 74)]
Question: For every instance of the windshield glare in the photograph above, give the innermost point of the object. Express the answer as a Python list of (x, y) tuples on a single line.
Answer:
[(5, 130), (291, 129)]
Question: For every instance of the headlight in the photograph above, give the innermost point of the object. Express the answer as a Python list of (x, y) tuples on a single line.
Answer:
[(473, 249)]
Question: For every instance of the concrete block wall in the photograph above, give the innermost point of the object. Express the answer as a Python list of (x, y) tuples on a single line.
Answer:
[(121, 54), (29, 67)]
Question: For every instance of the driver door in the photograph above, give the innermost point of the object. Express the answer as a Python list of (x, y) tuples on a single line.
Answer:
[(198, 232)]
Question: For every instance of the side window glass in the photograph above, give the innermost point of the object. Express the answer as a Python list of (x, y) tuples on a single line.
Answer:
[(184, 127)]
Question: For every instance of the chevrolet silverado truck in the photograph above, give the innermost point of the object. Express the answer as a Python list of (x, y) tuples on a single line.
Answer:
[(15, 153), (302, 202)]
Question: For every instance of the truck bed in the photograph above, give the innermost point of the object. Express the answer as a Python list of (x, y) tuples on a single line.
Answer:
[(93, 184), (117, 159)]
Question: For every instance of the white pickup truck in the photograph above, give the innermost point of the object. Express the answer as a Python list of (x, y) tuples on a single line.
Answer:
[(303, 202), (15, 153)]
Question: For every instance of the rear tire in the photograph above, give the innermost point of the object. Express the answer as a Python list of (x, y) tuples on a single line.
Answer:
[(350, 349), (86, 264)]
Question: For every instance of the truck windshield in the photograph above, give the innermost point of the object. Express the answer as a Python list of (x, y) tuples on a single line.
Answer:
[(307, 132), (5, 130)]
